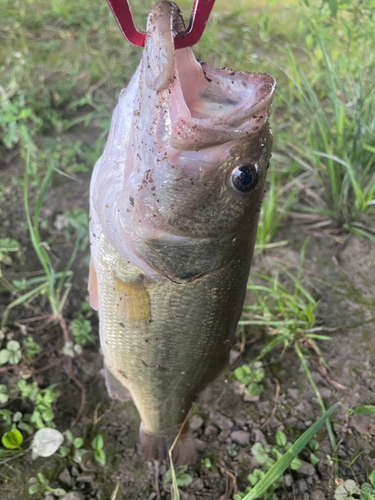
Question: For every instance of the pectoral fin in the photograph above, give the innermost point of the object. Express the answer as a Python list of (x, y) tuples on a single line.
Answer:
[(133, 300), (180, 258)]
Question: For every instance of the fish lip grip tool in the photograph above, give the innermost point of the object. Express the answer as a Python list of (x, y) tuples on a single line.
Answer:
[(198, 20)]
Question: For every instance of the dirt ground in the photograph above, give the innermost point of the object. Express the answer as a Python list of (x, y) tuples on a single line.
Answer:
[(342, 277)]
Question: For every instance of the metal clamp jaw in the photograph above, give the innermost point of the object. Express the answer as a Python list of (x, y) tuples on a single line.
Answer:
[(198, 20)]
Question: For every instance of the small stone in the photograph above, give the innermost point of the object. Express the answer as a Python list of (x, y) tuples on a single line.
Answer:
[(304, 410), (306, 469), (338, 428), (240, 421), (290, 422), (197, 484), (73, 495), (259, 436), (250, 399), (293, 393), (301, 426), (306, 496), (210, 430), (265, 408), (192, 497), (200, 445), (184, 495), (196, 422), (274, 423), (224, 423), (288, 480), (241, 437), (32, 480), (152, 496), (318, 495), (85, 479), (65, 477), (325, 392), (233, 356), (223, 436), (74, 471), (361, 423), (302, 485)]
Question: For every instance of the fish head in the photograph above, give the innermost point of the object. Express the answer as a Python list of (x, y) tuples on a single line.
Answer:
[(186, 159)]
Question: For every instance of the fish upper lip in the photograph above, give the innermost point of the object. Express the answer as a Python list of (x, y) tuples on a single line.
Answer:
[(241, 117), (207, 105)]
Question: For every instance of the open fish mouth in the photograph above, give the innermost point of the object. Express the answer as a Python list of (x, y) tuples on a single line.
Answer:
[(208, 105), (230, 105)]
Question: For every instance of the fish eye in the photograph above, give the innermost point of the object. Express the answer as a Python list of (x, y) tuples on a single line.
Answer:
[(245, 177)]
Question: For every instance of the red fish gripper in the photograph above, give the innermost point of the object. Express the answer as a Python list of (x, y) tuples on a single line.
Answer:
[(198, 20)]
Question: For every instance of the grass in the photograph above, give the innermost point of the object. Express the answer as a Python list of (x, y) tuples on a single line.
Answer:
[(284, 462), (278, 468), (55, 286), (277, 203), (339, 137), (289, 318)]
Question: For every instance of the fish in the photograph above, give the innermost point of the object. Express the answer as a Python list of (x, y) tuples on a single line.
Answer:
[(174, 208)]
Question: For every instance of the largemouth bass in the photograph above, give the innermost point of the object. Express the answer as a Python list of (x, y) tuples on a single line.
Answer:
[(175, 200)]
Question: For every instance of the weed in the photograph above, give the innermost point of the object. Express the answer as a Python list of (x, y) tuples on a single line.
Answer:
[(81, 329), (4, 394), (76, 448), (97, 445), (31, 348), (350, 490), (7, 245), (182, 478), (266, 456), (251, 377), (75, 226), (11, 354), (43, 399), (289, 319), (276, 206), (287, 316), (210, 463), (40, 485), (263, 483), (12, 440), (334, 126)]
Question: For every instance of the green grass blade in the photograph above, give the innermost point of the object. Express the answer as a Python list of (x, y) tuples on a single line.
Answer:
[(34, 234), (305, 366), (42, 193), (20, 300), (283, 463)]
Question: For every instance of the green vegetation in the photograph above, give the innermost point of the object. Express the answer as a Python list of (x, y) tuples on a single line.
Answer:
[(251, 377), (264, 485), (349, 490)]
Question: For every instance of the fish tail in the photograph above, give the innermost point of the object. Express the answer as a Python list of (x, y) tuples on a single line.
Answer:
[(185, 452), (155, 447)]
